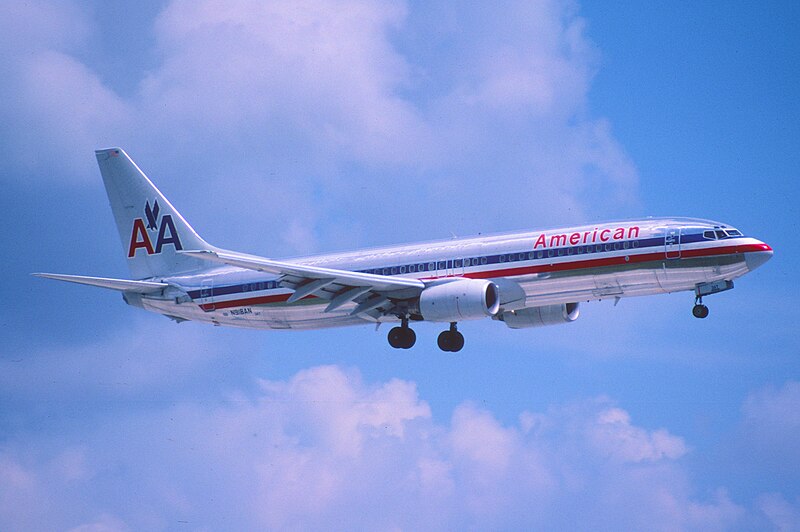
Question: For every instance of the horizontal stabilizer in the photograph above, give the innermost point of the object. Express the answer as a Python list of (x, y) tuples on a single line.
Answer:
[(123, 285)]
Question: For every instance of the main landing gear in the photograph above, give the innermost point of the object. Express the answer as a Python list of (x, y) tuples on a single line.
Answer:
[(451, 340), (402, 337), (699, 310)]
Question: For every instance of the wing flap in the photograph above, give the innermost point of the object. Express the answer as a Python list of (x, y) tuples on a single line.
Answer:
[(122, 285)]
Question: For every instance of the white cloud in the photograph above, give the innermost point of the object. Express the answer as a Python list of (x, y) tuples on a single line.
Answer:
[(67, 110), (614, 436), (321, 72), (771, 426), (148, 356), (324, 447), (328, 108), (103, 523), (783, 515)]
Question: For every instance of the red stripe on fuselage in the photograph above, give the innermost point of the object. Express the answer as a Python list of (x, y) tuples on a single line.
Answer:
[(528, 270), (617, 261)]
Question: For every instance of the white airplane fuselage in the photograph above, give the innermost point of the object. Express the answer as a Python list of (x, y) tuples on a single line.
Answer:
[(552, 267)]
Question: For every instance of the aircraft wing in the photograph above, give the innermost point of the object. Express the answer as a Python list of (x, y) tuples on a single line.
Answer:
[(370, 292), (123, 285)]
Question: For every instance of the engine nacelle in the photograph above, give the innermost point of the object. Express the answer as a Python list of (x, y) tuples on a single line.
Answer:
[(465, 299), (541, 316)]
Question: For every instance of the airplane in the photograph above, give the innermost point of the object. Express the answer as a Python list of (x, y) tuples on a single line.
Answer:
[(523, 279)]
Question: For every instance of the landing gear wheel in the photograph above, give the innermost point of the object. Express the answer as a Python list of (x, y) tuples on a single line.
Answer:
[(700, 311), (444, 341), (402, 338), (456, 342), (451, 341), (396, 337)]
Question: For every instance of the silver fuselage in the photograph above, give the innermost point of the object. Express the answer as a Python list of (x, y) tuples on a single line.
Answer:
[(554, 266)]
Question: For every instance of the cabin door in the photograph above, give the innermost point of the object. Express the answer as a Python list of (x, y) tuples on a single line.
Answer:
[(207, 294), (672, 243)]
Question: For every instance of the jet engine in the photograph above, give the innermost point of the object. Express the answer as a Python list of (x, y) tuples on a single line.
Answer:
[(540, 316), (464, 299)]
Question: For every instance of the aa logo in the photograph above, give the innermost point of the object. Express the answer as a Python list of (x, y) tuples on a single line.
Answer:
[(140, 237)]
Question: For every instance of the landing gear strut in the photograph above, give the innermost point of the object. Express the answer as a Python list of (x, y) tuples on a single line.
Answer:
[(402, 337), (699, 310), (451, 340)]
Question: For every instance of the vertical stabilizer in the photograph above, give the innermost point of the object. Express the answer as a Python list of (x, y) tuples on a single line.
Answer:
[(151, 229)]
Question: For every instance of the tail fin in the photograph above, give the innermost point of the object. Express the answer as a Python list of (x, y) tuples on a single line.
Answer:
[(151, 229)]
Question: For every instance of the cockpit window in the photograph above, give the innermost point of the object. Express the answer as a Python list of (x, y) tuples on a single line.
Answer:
[(720, 233), (709, 235), (733, 232)]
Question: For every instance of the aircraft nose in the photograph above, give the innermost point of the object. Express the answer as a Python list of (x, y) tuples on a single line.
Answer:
[(754, 259)]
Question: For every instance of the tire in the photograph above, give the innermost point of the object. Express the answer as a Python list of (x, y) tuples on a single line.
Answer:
[(700, 311), (396, 337), (444, 341), (409, 338), (456, 342), (450, 341)]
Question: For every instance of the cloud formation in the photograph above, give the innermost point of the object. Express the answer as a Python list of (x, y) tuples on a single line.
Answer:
[(771, 426), (323, 108), (325, 447)]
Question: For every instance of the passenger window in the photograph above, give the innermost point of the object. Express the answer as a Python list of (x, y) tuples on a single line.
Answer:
[(539, 254), (561, 252), (636, 243), (626, 244), (484, 260), (550, 253), (402, 269), (431, 266), (501, 258), (616, 245), (521, 256), (530, 255)]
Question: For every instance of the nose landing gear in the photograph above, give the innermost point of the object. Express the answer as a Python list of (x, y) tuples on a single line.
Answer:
[(705, 289), (451, 340), (699, 310)]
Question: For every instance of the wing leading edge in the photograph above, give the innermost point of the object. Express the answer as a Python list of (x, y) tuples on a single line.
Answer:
[(370, 292), (122, 285)]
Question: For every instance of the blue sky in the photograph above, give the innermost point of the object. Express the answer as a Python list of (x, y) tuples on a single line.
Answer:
[(290, 129)]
